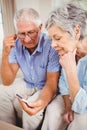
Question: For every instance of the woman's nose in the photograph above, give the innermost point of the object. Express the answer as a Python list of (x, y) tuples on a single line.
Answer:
[(54, 44)]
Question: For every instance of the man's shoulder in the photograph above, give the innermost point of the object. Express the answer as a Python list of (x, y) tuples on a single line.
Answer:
[(46, 43)]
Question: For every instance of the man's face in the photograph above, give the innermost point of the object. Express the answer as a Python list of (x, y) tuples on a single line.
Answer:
[(28, 33), (62, 41)]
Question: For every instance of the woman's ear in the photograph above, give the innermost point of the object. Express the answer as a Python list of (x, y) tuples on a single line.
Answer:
[(77, 32)]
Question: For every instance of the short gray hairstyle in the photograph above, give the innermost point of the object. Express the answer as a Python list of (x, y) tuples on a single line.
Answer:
[(67, 17), (27, 15)]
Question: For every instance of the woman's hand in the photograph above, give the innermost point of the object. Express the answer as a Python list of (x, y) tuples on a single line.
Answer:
[(68, 60)]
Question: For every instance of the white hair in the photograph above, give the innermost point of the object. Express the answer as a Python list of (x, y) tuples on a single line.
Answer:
[(67, 17), (27, 15)]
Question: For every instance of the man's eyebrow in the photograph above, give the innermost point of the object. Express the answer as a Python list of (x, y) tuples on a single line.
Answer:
[(27, 31)]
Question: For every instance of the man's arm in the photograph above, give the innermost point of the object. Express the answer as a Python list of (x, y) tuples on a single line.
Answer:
[(8, 71), (50, 88)]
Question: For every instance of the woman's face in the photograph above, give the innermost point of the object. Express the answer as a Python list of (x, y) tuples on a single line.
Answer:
[(62, 41)]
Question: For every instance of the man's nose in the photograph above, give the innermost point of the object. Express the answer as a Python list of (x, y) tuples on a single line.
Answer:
[(27, 38)]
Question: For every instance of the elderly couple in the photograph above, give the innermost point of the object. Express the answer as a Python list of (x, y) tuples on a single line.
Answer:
[(54, 69)]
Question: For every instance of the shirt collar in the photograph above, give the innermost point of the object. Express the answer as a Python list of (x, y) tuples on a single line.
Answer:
[(40, 43)]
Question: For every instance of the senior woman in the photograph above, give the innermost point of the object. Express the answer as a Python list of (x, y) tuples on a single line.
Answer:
[(67, 29)]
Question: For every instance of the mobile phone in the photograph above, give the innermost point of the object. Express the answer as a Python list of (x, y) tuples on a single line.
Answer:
[(24, 100)]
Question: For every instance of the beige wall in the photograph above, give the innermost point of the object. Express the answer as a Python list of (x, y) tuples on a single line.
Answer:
[(42, 6), (45, 6)]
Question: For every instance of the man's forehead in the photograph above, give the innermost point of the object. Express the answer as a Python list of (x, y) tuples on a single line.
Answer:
[(26, 23), (26, 26)]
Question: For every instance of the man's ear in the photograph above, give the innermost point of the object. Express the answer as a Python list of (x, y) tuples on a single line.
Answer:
[(41, 25), (77, 32)]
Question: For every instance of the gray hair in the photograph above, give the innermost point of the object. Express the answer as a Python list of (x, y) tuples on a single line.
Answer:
[(67, 17), (27, 15)]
